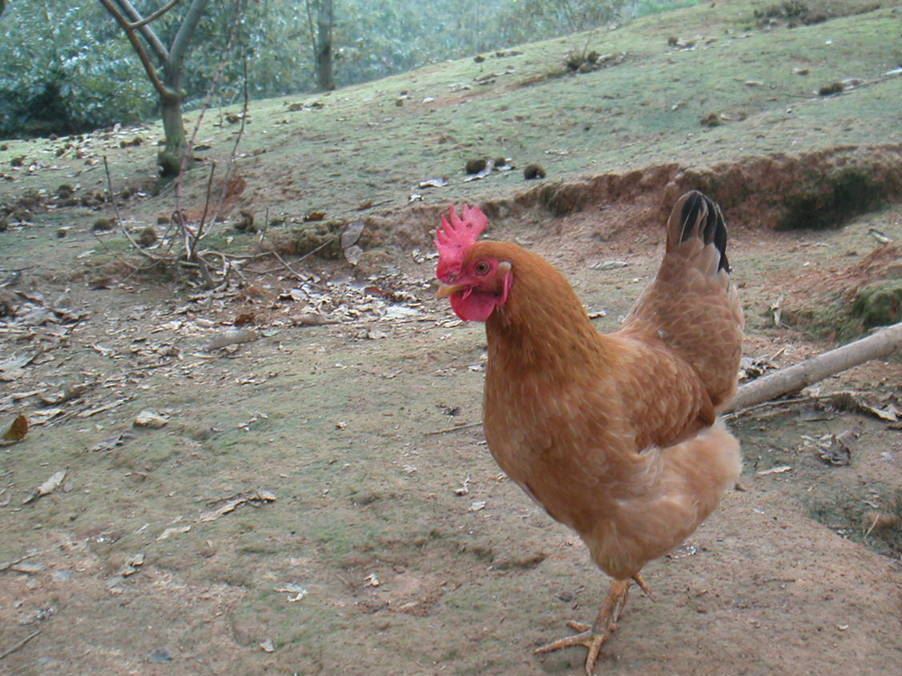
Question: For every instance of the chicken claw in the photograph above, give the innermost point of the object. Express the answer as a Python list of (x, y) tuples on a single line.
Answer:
[(593, 637)]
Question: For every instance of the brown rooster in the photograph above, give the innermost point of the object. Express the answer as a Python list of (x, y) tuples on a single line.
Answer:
[(615, 435)]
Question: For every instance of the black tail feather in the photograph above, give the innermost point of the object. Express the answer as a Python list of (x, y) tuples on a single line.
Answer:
[(701, 217)]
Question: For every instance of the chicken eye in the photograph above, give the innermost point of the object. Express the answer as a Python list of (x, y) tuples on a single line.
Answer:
[(482, 268)]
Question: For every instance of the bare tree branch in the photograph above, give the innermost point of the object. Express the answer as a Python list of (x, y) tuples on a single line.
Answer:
[(156, 15), (128, 236), (9, 651), (183, 36), (313, 41), (127, 9), (198, 236), (149, 67)]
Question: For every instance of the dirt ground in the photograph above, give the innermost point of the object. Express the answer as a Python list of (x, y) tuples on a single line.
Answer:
[(320, 498)]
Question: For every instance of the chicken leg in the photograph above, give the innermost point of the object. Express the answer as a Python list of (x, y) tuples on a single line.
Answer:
[(593, 637)]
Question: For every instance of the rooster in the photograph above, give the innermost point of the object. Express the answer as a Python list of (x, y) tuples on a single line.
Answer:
[(615, 435)]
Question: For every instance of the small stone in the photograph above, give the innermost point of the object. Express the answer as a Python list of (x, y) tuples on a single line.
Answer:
[(160, 656), (150, 419)]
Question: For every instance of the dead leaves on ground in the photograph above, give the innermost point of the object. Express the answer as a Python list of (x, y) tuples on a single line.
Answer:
[(16, 431), (255, 498), (46, 488)]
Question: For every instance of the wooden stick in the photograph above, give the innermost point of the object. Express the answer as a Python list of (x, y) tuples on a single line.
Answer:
[(447, 430), (878, 345), (10, 564), (10, 651)]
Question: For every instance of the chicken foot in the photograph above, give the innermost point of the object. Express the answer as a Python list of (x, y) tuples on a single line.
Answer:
[(593, 637)]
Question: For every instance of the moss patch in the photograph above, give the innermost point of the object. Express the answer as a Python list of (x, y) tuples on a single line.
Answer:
[(878, 304)]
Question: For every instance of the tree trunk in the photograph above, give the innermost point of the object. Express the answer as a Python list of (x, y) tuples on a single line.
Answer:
[(324, 21), (156, 58), (176, 146), (170, 158)]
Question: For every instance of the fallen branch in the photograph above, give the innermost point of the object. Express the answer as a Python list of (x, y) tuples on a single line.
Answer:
[(456, 428), (9, 651), (878, 345), (135, 245), (9, 564)]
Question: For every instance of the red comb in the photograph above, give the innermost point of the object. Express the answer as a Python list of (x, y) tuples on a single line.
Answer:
[(455, 235)]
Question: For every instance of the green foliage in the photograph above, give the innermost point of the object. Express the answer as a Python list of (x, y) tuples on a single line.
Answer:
[(62, 70), (526, 20), (68, 67)]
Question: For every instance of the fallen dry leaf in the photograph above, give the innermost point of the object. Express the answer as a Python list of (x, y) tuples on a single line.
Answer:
[(838, 452), (17, 430), (47, 487), (100, 409), (132, 564), (173, 530), (298, 591), (440, 182), (259, 496), (779, 469), (110, 443), (351, 233)]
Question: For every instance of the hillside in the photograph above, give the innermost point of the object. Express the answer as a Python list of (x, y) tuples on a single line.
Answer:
[(283, 470)]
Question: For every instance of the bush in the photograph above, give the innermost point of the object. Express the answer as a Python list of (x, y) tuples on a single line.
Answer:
[(63, 69)]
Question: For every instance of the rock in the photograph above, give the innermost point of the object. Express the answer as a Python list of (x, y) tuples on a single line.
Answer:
[(150, 419)]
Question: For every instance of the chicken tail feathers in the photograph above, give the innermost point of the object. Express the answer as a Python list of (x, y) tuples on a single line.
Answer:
[(697, 216), (692, 306)]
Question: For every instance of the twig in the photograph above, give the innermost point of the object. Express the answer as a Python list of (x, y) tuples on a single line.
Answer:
[(17, 646), (192, 240), (238, 257), (109, 182), (9, 564), (454, 429), (319, 248), (155, 15), (262, 234), (873, 524), (290, 269), (106, 247), (230, 166), (199, 235), (768, 404)]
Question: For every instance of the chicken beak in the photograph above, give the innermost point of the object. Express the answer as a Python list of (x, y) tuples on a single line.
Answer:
[(446, 290)]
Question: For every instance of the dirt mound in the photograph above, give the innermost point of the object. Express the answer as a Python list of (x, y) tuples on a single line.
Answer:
[(842, 304), (812, 190)]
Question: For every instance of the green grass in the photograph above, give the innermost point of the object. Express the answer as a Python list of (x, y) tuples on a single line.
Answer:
[(361, 148)]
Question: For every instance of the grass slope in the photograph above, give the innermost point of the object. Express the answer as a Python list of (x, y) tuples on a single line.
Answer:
[(374, 142)]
